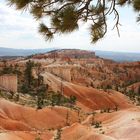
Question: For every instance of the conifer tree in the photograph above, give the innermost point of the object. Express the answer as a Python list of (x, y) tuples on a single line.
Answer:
[(28, 73), (65, 15)]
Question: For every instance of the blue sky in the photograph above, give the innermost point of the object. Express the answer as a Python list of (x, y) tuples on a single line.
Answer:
[(19, 30)]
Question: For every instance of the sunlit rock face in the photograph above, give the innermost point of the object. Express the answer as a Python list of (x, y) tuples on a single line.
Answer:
[(9, 82)]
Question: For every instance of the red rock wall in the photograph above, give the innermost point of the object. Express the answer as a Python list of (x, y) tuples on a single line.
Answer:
[(9, 82), (60, 71)]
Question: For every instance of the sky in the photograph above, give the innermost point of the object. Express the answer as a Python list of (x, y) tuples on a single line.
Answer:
[(19, 30)]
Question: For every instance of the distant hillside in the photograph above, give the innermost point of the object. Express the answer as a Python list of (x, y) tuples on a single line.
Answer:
[(119, 56), (21, 52)]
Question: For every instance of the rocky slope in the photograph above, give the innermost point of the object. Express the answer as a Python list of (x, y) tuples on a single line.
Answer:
[(23, 123), (104, 112), (88, 98)]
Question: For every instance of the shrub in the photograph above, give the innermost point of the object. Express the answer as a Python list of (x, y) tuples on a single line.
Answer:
[(97, 124)]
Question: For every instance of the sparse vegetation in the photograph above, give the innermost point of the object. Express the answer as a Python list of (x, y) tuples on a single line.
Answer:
[(60, 100), (10, 69), (105, 110), (28, 73), (135, 97), (97, 124)]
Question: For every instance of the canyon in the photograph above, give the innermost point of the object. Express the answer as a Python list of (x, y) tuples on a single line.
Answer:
[(103, 109)]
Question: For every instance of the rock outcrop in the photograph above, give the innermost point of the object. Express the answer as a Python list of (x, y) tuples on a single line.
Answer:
[(9, 82)]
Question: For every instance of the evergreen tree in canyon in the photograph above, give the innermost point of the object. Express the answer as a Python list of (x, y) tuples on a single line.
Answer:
[(28, 72)]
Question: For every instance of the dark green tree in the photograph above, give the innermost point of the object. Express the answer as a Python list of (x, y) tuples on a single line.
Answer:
[(28, 72), (72, 99), (65, 15), (40, 102), (41, 95), (97, 124), (38, 71)]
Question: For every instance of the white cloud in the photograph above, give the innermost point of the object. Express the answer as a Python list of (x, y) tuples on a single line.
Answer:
[(14, 25)]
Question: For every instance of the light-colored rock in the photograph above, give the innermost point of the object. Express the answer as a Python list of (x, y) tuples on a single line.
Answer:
[(9, 82)]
